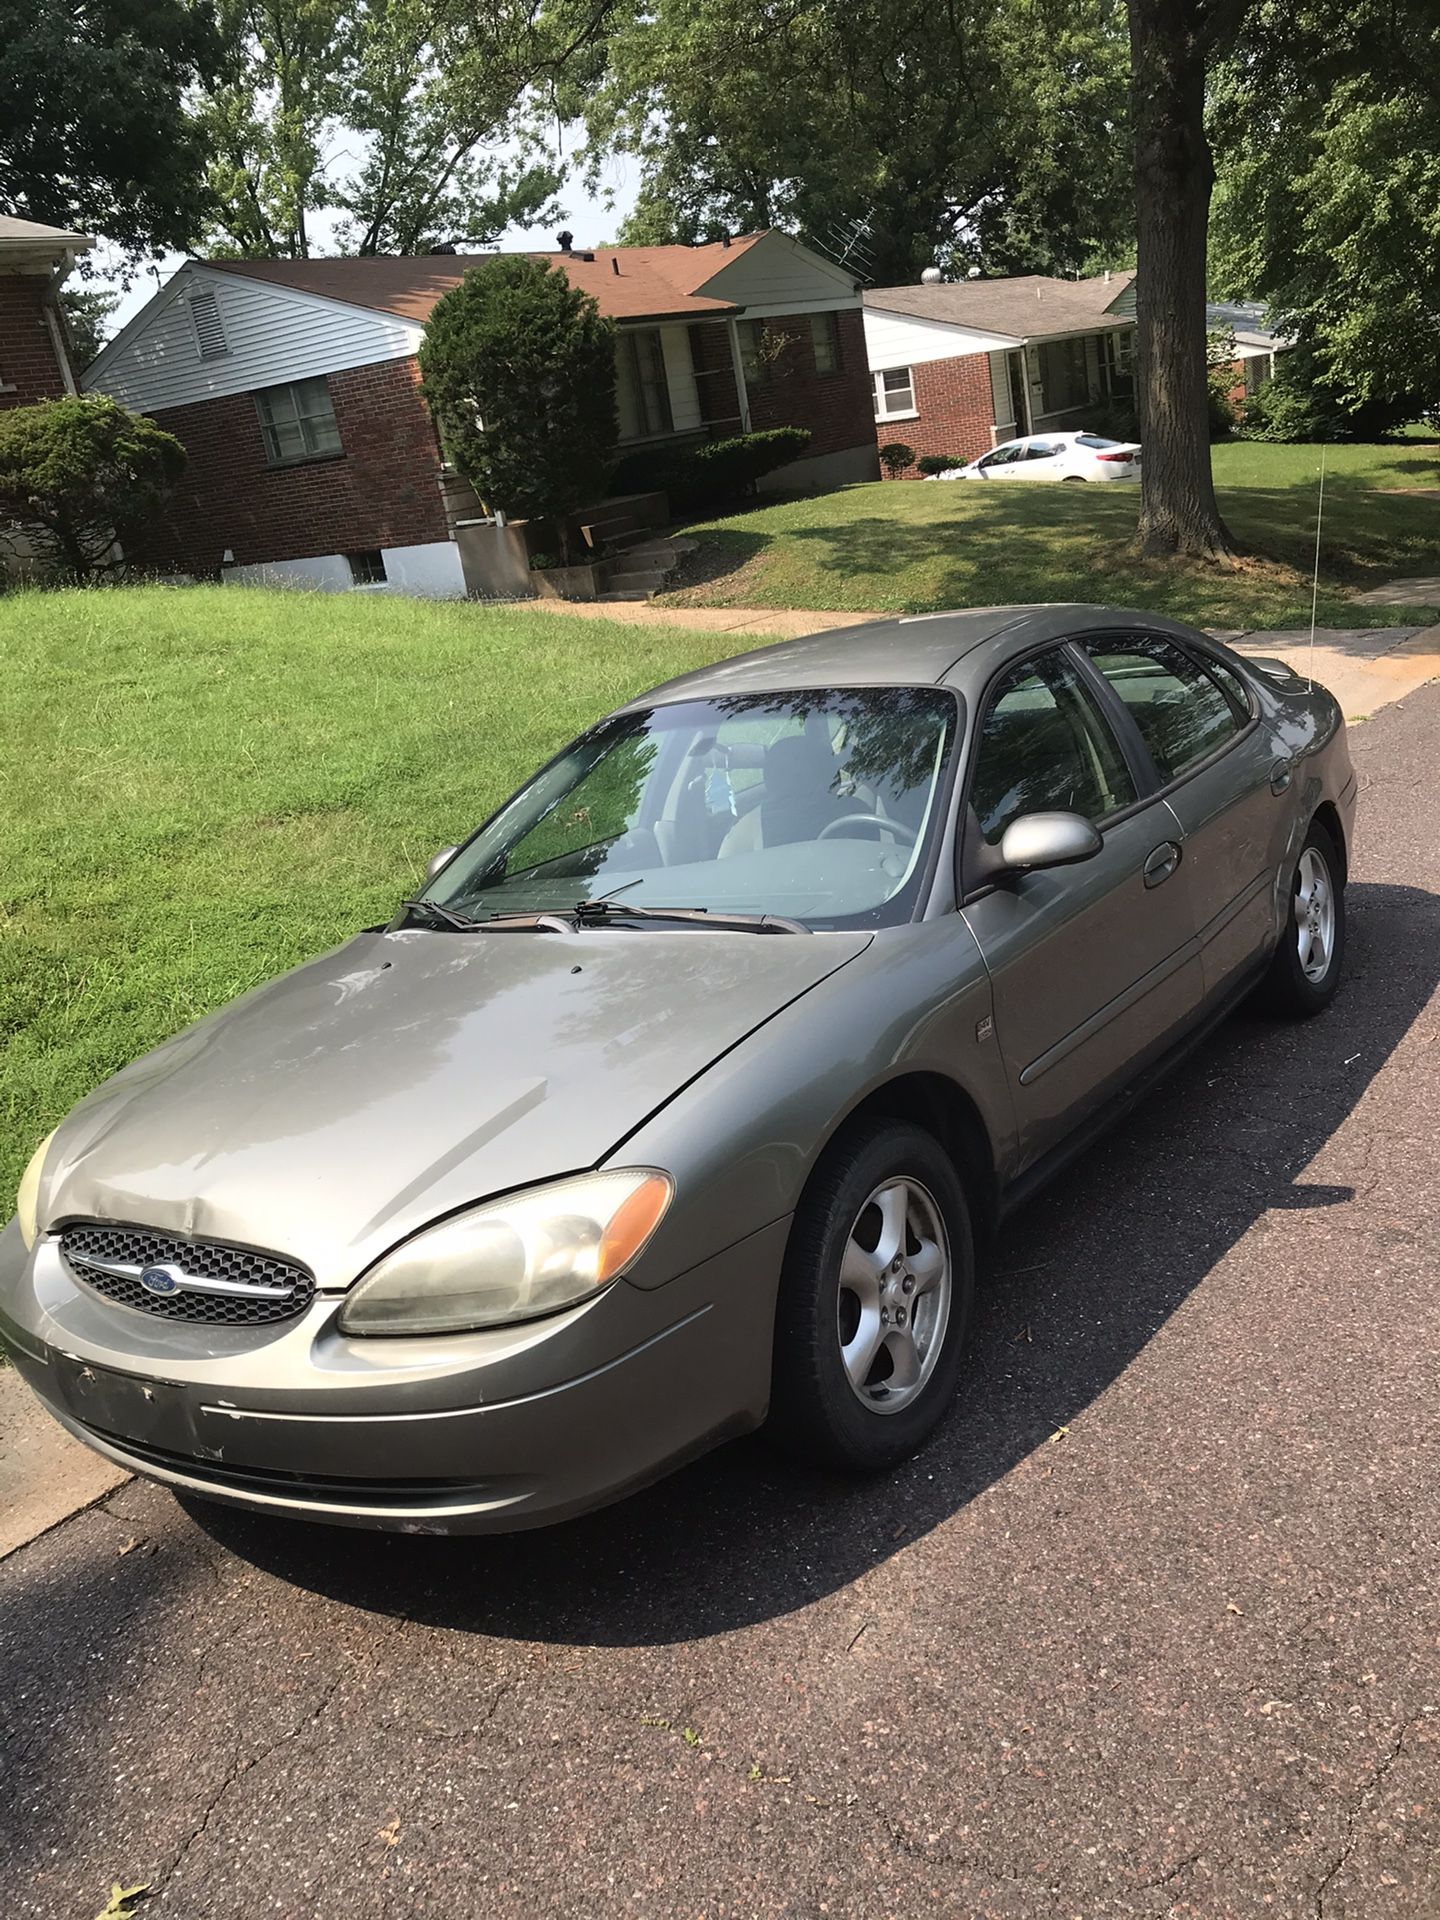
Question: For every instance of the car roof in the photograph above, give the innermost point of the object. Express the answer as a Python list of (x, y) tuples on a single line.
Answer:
[(925, 649)]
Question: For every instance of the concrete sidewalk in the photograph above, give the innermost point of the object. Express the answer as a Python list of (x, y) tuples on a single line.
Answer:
[(1364, 667)]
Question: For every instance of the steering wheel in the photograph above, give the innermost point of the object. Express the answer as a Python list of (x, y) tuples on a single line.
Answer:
[(907, 834)]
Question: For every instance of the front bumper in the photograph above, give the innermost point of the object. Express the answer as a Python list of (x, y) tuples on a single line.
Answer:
[(486, 1432)]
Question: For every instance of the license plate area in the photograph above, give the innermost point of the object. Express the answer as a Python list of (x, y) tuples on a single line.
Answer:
[(126, 1405)]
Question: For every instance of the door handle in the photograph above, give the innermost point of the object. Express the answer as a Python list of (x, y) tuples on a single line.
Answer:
[(1162, 863), (1280, 776)]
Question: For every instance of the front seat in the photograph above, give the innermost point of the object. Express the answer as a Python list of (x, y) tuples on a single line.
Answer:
[(799, 797)]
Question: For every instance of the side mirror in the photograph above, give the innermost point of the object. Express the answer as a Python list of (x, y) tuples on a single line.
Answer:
[(1039, 840), (447, 854)]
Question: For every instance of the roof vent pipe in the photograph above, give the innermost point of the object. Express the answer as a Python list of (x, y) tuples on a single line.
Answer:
[(566, 241), (614, 263), (724, 239)]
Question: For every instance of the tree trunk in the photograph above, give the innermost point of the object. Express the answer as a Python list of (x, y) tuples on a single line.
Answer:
[(1173, 177)]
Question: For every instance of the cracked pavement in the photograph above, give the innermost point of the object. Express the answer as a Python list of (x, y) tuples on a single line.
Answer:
[(1150, 1629)]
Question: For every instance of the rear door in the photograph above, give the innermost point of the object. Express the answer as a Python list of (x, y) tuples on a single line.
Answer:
[(1044, 460), (1093, 967), (1224, 775)]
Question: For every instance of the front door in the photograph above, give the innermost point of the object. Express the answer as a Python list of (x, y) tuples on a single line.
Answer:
[(1093, 967)]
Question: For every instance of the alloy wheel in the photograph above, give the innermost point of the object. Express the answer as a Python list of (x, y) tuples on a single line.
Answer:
[(894, 1295), (1314, 915)]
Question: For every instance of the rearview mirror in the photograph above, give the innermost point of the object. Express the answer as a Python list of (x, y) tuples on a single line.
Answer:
[(1039, 840), (447, 854)]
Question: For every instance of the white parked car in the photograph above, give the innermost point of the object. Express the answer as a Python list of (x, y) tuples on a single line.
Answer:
[(1054, 456)]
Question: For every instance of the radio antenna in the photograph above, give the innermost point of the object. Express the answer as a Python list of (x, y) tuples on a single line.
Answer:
[(1315, 583)]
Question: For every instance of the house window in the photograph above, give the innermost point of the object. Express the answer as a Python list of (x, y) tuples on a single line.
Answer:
[(367, 569), (209, 327), (642, 392), (894, 392), (752, 356), (298, 422), (825, 339)]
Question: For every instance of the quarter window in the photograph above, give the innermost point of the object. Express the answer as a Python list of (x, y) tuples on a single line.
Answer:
[(298, 422), (894, 392), (1180, 711), (1045, 746)]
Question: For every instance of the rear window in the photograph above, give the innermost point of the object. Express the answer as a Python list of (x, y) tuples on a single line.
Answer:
[(1094, 440)]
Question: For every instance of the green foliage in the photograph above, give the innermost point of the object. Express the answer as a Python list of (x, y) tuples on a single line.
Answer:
[(519, 369), (938, 463), (895, 457), (86, 310), (93, 129), (78, 476), (1327, 203), (1298, 404), (987, 131), (713, 472), (426, 90)]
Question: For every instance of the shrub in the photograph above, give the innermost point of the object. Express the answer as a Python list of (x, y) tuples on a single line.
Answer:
[(519, 369), (937, 462), (1297, 404), (1220, 408), (712, 472), (896, 457), (80, 479), (1118, 421)]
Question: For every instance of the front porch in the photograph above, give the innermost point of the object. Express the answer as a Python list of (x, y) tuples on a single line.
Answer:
[(1056, 384)]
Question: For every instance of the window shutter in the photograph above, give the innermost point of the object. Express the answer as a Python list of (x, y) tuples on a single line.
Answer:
[(209, 327)]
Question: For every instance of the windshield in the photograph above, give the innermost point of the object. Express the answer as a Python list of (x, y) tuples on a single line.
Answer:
[(819, 806)]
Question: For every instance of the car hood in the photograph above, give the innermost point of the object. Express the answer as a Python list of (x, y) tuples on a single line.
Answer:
[(333, 1111)]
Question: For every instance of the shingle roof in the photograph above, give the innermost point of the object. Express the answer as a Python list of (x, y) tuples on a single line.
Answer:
[(651, 282), (1028, 307)]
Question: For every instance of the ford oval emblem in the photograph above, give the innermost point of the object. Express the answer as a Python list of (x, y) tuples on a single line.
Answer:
[(162, 1280)]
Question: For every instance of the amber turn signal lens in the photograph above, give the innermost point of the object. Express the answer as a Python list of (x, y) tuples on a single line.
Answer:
[(631, 1225)]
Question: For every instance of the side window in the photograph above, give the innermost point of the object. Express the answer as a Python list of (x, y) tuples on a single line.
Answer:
[(1044, 747), (1180, 711), (1041, 450), (1231, 682), (1002, 456)]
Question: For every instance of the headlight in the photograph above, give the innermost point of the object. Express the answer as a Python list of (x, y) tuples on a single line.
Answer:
[(27, 1199), (514, 1259)]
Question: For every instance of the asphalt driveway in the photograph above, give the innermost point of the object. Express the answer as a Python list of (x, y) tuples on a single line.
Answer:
[(1152, 1628)]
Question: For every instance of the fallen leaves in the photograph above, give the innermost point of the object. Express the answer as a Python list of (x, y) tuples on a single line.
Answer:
[(118, 1906)]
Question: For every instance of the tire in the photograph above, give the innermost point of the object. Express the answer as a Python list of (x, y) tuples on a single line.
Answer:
[(1077, 479), (1298, 985), (873, 1173)]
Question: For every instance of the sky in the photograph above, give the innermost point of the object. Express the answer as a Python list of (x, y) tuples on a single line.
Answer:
[(593, 218)]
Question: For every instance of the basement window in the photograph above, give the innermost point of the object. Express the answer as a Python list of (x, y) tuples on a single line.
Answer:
[(209, 327), (367, 569), (298, 422)]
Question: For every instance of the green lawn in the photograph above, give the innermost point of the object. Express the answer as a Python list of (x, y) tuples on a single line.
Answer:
[(913, 547), (202, 786)]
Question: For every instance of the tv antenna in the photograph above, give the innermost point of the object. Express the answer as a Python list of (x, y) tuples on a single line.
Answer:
[(846, 246)]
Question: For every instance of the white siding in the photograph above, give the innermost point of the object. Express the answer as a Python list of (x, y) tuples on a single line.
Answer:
[(680, 378), (777, 275), (898, 340), (1007, 427), (273, 334)]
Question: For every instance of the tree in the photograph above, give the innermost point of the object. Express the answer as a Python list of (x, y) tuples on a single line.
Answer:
[(86, 310), (1173, 44), (978, 132), (1328, 198), (94, 134), (393, 113), (81, 477), (519, 369)]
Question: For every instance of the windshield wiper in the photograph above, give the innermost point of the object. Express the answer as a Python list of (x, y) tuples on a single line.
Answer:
[(591, 913), (437, 915)]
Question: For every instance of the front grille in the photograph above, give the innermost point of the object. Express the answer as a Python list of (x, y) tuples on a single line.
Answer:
[(91, 1246)]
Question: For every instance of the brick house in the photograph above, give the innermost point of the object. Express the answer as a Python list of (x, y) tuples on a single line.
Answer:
[(34, 348), (957, 368), (293, 385)]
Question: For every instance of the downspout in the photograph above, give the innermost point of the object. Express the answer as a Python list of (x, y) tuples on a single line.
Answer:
[(737, 368)]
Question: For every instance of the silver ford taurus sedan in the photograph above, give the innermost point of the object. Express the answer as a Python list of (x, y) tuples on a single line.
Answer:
[(677, 1102)]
